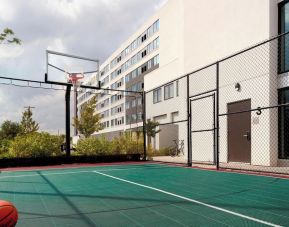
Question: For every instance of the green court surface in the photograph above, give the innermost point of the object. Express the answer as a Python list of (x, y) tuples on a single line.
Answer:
[(145, 195)]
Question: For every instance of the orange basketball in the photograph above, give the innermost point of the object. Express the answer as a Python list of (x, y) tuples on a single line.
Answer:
[(8, 214)]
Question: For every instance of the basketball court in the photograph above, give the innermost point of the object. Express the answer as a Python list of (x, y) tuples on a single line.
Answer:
[(144, 195)]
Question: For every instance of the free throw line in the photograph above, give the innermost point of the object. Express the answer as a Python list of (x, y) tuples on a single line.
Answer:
[(190, 200)]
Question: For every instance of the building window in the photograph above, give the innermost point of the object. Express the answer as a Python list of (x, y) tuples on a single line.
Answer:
[(133, 103), (169, 91), (149, 64), (284, 124), (134, 74), (156, 60), (139, 101), (144, 69), (143, 38), (177, 88), (119, 84), (284, 40), (157, 95), (127, 78), (139, 116), (144, 53)]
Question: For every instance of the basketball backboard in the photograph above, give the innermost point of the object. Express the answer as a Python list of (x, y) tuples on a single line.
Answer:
[(60, 67)]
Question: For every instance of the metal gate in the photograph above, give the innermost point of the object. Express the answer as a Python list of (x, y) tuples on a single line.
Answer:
[(203, 129)]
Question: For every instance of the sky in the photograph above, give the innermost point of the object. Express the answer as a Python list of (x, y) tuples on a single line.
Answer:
[(92, 28)]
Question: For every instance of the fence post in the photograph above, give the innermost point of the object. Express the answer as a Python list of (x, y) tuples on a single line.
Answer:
[(217, 115), (189, 123), (67, 119), (144, 124)]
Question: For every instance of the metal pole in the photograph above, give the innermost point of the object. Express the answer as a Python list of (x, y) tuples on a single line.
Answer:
[(67, 120), (131, 133), (214, 127), (217, 115), (189, 123), (75, 108), (144, 126)]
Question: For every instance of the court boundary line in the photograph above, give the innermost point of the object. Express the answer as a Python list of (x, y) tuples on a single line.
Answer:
[(231, 171), (140, 164), (190, 200), (73, 166), (76, 172)]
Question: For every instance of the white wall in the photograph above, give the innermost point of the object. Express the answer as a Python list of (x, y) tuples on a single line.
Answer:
[(211, 31), (171, 45), (216, 29)]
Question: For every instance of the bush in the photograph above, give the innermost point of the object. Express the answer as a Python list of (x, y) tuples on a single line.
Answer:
[(125, 144), (93, 146), (4, 148), (165, 151), (35, 145)]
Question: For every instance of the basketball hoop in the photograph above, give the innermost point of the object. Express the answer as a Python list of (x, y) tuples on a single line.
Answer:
[(75, 78)]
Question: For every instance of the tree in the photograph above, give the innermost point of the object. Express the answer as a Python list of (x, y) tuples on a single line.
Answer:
[(7, 36), (88, 122), (9, 130), (151, 131), (28, 125)]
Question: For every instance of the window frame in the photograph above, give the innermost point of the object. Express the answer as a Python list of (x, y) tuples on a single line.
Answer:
[(281, 66), (157, 91), (170, 86), (280, 134), (177, 88)]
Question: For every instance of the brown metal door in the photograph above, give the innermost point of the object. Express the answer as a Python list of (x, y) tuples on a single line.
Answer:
[(239, 132)]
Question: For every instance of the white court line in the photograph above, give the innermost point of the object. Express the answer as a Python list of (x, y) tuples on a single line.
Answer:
[(191, 200), (75, 167), (75, 172)]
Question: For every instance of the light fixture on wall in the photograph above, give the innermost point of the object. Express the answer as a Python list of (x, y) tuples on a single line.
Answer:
[(238, 87)]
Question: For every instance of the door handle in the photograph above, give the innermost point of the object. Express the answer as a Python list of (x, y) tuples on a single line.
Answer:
[(247, 135)]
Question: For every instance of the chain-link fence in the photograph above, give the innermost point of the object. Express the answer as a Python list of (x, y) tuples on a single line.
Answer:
[(167, 106), (37, 124), (233, 113), (249, 134), (121, 117)]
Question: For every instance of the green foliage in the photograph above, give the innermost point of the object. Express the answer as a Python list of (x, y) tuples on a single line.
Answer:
[(4, 147), (8, 36), (9, 130), (161, 152), (93, 146), (88, 122), (28, 125), (124, 144), (35, 145), (151, 130), (127, 144)]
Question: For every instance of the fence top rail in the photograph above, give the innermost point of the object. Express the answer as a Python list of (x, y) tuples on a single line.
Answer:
[(222, 60), (22, 80), (64, 84)]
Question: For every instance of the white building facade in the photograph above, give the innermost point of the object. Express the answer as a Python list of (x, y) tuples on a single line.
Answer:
[(125, 70), (191, 34), (206, 32)]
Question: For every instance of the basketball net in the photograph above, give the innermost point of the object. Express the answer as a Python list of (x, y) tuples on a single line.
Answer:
[(75, 78)]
